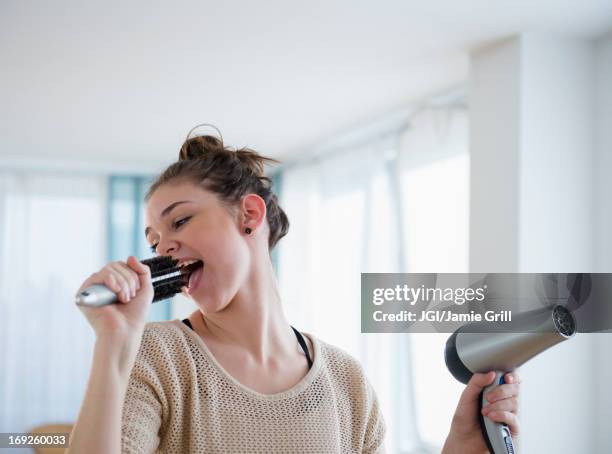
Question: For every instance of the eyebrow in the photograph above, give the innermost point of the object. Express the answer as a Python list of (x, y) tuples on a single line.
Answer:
[(167, 211)]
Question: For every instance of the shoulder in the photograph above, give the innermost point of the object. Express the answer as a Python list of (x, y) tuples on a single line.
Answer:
[(161, 332), (343, 368), (352, 390), (162, 341), (164, 354), (165, 329), (337, 356)]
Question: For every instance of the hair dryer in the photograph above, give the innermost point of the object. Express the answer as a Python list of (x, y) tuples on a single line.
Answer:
[(481, 347)]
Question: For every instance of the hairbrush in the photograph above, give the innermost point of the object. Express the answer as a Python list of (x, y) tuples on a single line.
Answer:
[(168, 280)]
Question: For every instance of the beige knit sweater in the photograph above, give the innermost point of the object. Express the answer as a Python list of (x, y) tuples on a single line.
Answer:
[(180, 400)]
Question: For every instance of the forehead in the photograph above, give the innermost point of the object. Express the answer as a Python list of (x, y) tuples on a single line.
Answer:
[(166, 195)]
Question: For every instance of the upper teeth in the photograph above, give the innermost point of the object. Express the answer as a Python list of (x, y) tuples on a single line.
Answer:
[(189, 262)]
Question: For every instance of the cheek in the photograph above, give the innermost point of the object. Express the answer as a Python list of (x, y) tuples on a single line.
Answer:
[(229, 255), (228, 269)]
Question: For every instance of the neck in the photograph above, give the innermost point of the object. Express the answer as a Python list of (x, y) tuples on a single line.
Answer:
[(254, 319)]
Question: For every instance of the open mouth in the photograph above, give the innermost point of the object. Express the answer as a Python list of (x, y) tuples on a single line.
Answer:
[(188, 268)]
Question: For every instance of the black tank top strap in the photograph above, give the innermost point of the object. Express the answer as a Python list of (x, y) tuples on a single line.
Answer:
[(299, 336), (302, 343)]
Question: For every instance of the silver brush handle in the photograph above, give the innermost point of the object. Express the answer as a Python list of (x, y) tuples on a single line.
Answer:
[(96, 295), (497, 435)]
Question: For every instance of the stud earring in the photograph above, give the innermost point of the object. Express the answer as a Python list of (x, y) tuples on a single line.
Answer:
[(247, 231)]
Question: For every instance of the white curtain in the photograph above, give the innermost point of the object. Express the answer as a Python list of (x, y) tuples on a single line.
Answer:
[(51, 231), (396, 204), (433, 168), (343, 215)]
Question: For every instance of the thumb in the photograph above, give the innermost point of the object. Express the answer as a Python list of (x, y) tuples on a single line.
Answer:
[(475, 386)]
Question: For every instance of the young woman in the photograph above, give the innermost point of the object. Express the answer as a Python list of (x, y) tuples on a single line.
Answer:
[(234, 376)]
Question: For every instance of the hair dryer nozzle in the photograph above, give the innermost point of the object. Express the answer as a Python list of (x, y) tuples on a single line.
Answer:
[(564, 321)]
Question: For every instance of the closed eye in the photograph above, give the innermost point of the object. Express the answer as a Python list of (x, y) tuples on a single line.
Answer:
[(176, 225)]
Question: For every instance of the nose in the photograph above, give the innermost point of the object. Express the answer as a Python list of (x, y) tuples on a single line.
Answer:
[(166, 247)]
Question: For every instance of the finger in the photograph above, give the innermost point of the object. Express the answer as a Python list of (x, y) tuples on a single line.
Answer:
[(502, 392), (133, 266), (512, 377), (133, 278), (478, 381), (502, 405), (508, 418), (142, 271), (113, 282), (126, 279)]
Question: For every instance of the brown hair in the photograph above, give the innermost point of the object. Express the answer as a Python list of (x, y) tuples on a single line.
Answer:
[(206, 162)]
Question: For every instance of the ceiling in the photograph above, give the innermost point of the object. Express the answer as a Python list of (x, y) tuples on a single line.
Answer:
[(123, 81)]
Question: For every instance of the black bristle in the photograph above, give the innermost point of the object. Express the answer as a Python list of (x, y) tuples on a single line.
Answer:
[(161, 265), (167, 288), (165, 271)]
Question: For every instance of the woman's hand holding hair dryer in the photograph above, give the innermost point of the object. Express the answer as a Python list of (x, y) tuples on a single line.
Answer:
[(465, 434)]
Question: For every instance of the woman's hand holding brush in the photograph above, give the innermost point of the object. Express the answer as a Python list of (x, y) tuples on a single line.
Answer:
[(119, 328), (133, 286)]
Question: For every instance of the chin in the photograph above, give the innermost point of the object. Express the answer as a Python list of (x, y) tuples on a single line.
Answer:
[(207, 304)]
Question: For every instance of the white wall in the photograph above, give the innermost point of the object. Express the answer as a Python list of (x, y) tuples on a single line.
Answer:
[(603, 217), (603, 154), (494, 139), (556, 155), (556, 225), (532, 210)]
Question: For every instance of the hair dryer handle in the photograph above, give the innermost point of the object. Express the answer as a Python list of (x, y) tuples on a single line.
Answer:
[(496, 435)]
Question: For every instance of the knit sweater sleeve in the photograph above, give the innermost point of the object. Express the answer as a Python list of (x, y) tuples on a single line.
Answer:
[(376, 429), (142, 407)]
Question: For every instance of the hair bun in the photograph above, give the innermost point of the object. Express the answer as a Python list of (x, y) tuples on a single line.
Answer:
[(207, 146), (200, 146)]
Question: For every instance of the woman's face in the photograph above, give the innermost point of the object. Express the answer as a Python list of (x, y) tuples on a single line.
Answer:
[(202, 228)]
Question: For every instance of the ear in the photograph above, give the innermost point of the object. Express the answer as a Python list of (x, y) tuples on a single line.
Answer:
[(253, 210)]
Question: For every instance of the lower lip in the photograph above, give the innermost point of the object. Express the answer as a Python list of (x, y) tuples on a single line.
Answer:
[(197, 278)]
